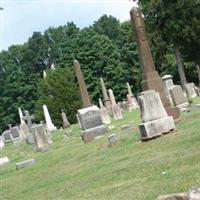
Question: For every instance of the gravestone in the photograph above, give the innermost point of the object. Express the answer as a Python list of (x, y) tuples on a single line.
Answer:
[(50, 125), (4, 161), (113, 139), (116, 110), (23, 127), (7, 135), (191, 90), (89, 117), (150, 77), (106, 99), (178, 98), (40, 138), (132, 103), (66, 123), (168, 83), (1, 142), (28, 118), (104, 113), (15, 134), (91, 123), (26, 163), (155, 120)]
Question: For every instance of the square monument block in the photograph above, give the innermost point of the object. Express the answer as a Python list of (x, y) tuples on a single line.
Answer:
[(89, 117), (89, 134), (156, 128)]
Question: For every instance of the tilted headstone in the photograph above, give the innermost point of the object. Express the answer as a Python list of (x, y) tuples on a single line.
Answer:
[(1, 142), (40, 138), (155, 120), (178, 98), (7, 135), (113, 139), (66, 123), (150, 77), (4, 161), (116, 110), (191, 90), (106, 99), (26, 163), (89, 117), (104, 113), (50, 125)]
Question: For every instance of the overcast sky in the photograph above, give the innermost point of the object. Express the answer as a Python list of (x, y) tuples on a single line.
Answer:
[(20, 18)]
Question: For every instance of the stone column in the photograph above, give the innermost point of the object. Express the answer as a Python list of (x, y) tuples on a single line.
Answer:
[(129, 90), (150, 77), (198, 71), (50, 125), (112, 97), (82, 86)]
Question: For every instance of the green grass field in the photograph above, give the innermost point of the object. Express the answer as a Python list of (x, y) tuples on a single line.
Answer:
[(129, 170)]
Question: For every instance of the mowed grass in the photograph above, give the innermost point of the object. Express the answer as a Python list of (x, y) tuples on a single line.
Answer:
[(129, 170)]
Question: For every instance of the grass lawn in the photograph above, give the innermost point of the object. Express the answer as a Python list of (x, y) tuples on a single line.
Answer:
[(128, 170)]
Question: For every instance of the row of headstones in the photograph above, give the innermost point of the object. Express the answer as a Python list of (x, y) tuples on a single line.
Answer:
[(176, 95)]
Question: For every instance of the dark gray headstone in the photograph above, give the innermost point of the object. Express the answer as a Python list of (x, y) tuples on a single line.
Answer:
[(113, 139)]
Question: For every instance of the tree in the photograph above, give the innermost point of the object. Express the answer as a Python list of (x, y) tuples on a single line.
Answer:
[(58, 91)]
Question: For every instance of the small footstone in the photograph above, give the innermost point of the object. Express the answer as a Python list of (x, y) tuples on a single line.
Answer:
[(4, 160), (113, 139), (24, 164), (125, 127)]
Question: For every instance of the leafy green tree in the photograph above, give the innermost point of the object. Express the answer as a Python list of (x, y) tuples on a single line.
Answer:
[(58, 91)]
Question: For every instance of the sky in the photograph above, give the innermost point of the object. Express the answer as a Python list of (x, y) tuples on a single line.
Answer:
[(20, 18)]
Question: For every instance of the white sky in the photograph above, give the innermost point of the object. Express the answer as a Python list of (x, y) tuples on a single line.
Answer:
[(20, 18)]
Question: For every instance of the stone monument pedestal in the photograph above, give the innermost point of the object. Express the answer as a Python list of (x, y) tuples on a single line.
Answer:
[(91, 123), (155, 120)]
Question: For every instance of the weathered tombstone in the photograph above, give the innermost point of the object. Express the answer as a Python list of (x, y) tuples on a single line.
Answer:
[(1, 142), (26, 163), (40, 139), (28, 118), (106, 99), (15, 134), (4, 161), (132, 103), (116, 110), (90, 116), (191, 90), (113, 139), (23, 127), (155, 120), (7, 136), (178, 98), (104, 113), (126, 127), (150, 77), (66, 123), (50, 125), (168, 83)]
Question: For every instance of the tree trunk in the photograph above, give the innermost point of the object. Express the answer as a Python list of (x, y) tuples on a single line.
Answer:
[(198, 71), (180, 67)]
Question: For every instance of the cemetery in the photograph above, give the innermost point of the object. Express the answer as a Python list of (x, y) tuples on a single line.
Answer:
[(87, 123)]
